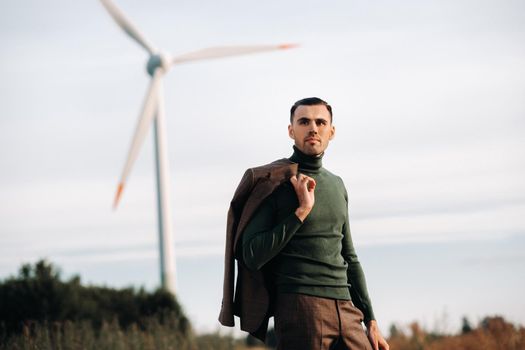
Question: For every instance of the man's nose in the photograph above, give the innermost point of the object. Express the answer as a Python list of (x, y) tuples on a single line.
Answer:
[(313, 128)]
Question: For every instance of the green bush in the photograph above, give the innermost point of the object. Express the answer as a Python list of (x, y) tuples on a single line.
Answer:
[(38, 295)]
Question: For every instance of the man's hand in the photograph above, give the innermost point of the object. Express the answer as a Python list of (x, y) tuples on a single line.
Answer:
[(304, 187), (375, 337)]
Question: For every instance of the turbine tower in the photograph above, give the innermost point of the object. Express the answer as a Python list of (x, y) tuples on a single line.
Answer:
[(157, 66)]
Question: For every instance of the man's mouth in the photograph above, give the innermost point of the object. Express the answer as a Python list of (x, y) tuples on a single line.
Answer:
[(311, 139)]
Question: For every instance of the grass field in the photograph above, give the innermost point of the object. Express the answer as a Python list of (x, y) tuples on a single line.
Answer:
[(493, 333)]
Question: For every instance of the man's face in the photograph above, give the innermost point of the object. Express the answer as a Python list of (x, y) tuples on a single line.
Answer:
[(311, 129)]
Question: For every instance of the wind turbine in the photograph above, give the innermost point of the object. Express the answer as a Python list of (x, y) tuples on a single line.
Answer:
[(157, 66)]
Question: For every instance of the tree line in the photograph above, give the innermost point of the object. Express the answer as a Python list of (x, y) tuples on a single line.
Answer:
[(38, 295)]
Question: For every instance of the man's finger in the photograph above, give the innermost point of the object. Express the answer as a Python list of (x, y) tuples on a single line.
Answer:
[(296, 180), (306, 178)]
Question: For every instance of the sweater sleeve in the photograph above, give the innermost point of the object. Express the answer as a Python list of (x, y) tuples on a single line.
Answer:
[(263, 238), (355, 275)]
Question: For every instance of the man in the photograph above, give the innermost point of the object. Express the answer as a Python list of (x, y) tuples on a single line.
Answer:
[(296, 245)]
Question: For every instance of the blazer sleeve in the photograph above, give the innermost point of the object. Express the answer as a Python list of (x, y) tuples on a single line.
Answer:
[(239, 198)]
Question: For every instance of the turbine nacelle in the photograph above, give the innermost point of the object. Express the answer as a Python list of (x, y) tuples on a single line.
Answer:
[(158, 60)]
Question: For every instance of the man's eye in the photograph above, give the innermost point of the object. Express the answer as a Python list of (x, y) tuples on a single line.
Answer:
[(303, 122)]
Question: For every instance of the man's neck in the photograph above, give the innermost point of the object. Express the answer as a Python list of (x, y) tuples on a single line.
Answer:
[(305, 161)]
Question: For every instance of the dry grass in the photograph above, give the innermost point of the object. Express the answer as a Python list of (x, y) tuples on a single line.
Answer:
[(493, 333)]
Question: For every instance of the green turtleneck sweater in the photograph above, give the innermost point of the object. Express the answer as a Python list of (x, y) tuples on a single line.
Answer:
[(315, 257)]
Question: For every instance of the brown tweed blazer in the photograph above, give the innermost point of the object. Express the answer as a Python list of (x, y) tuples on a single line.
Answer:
[(252, 297)]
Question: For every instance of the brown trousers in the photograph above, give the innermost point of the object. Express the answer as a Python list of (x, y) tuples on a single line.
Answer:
[(304, 322)]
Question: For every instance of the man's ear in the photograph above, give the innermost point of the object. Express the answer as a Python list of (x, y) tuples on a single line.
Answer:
[(290, 131), (332, 133)]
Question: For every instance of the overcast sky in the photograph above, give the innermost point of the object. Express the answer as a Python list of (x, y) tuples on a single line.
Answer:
[(429, 110)]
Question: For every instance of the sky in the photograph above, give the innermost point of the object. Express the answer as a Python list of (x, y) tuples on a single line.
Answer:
[(429, 114)]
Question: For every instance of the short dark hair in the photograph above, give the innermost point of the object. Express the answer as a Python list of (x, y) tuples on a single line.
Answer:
[(310, 101)]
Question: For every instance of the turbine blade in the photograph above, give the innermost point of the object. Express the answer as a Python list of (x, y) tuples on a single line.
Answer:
[(128, 27), (225, 51), (149, 109)]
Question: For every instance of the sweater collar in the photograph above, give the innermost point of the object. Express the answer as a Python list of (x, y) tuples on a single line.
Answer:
[(306, 162)]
